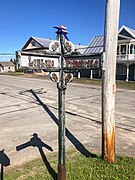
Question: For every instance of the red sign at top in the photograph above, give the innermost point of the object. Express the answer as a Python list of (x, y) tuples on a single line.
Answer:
[(82, 63)]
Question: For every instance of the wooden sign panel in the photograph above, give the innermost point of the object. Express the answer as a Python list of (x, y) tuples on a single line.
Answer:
[(82, 62)]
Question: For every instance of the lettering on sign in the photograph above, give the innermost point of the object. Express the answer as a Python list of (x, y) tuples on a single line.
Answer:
[(82, 63), (39, 63)]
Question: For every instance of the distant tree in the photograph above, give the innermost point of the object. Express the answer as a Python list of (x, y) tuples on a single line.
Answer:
[(14, 61), (11, 60)]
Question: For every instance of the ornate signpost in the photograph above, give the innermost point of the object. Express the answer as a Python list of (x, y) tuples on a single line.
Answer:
[(68, 63), (61, 105), (61, 71), (61, 61), (64, 47)]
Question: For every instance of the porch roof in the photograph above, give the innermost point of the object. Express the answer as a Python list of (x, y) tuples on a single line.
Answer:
[(96, 45)]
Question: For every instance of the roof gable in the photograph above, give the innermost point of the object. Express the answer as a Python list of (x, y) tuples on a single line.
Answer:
[(37, 43), (125, 31), (122, 37), (42, 43)]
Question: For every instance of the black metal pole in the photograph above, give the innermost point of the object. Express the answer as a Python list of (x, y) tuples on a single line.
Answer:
[(61, 104)]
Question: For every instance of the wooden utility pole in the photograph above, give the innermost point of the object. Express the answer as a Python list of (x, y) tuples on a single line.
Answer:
[(109, 79)]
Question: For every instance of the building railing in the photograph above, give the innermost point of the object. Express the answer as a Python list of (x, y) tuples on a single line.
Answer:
[(125, 57)]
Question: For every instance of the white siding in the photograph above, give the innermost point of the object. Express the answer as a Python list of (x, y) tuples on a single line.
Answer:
[(7, 69), (24, 61), (1, 69)]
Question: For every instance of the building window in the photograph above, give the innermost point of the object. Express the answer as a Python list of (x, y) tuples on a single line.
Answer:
[(118, 50), (132, 49), (121, 69), (33, 44), (123, 49), (29, 58), (94, 71)]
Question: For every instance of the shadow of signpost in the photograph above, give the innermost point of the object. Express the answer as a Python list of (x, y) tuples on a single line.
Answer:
[(4, 161), (79, 146), (35, 141)]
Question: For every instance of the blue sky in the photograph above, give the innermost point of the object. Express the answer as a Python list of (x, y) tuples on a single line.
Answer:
[(21, 19)]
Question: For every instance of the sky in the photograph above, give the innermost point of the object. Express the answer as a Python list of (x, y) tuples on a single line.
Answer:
[(19, 20)]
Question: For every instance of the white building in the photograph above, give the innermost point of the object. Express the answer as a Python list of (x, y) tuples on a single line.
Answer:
[(125, 67), (35, 55), (7, 67)]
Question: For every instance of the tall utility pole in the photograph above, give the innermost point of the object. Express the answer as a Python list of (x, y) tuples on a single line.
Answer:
[(109, 79)]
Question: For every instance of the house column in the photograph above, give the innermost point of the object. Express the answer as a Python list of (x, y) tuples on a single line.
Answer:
[(119, 49), (79, 74), (129, 51), (91, 74), (99, 73), (133, 49), (134, 71), (126, 49), (127, 78)]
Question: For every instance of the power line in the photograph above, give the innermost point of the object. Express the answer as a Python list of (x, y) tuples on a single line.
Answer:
[(4, 54)]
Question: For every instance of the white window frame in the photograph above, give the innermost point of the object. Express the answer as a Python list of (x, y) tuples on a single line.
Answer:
[(121, 69)]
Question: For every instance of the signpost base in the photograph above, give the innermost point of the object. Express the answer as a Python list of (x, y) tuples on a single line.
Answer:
[(61, 172)]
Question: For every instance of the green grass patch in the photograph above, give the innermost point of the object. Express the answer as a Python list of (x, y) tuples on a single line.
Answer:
[(78, 167), (98, 82), (13, 73), (125, 85)]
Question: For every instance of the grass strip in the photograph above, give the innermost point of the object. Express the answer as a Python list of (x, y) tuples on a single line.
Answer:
[(78, 167)]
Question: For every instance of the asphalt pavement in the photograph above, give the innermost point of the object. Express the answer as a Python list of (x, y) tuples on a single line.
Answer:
[(29, 118)]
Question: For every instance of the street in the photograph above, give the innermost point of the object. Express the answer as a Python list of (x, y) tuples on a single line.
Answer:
[(30, 106)]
